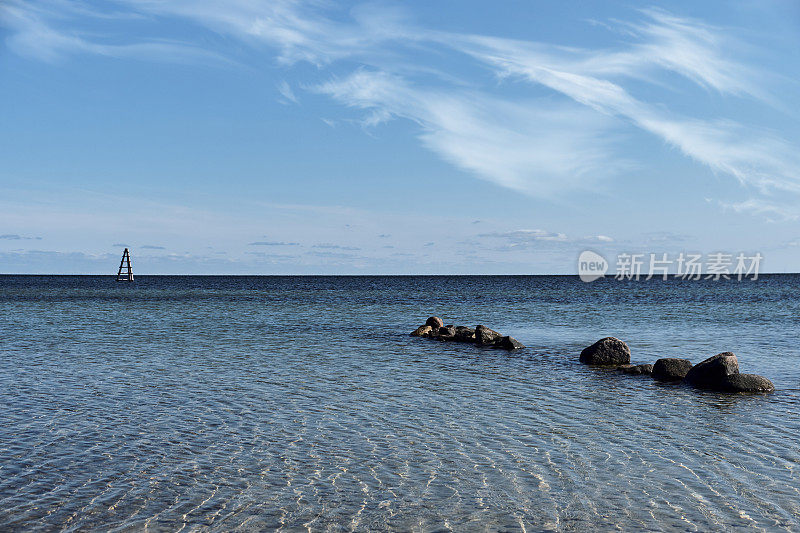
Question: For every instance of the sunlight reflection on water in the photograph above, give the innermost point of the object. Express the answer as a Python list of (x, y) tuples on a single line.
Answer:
[(256, 403)]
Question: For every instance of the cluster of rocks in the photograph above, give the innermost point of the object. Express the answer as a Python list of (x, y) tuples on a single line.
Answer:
[(720, 372), (434, 328)]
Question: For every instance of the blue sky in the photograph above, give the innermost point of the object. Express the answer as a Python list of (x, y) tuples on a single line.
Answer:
[(288, 136)]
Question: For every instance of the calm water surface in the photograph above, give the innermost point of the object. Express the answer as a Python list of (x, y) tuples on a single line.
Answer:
[(258, 403)]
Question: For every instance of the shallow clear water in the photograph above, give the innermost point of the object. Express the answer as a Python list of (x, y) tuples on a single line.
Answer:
[(259, 402)]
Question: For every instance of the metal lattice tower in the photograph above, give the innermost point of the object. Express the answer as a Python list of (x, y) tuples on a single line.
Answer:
[(123, 265)]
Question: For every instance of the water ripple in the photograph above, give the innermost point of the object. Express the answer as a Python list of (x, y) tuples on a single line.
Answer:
[(192, 404)]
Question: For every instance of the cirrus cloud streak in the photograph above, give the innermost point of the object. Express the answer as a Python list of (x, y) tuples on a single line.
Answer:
[(568, 134)]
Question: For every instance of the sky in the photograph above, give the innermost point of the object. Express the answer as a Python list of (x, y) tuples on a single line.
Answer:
[(447, 137)]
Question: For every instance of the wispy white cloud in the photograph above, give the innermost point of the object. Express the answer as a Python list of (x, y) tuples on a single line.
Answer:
[(16, 237), (530, 146), (273, 243), (526, 241), (541, 146), (287, 93), (35, 33), (301, 30), (754, 157), (700, 52), (474, 133), (771, 208), (527, 235), (329, 246)]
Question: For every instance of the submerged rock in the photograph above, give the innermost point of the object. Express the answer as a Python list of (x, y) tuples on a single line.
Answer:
[(485, 336), (747, 383), (713, 372), (422, 331), (607, 351), (671, 369), (435, 322), (508, 343), (637, 370)]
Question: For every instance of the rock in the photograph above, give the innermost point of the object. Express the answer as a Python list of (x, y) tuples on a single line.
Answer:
[(434, 322), (671, 369), (485, 336), (481, 335), (464, 334), (608, 351), (422, 331), (509, 343), (637, 370), (713, 372), (447, 331), (747, 383)]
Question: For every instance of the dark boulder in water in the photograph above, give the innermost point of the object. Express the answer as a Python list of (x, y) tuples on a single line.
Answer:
[(444, 333), (713, 372), (508, 343), (435, 322), (485, 336), (747, 383), (481, 335), (422, 331), (464, 334), (607, 351), (447, 331), (671, 369), (637, 370), (721, 373)]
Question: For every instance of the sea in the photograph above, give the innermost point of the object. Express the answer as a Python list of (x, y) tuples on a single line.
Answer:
[(219, 403)]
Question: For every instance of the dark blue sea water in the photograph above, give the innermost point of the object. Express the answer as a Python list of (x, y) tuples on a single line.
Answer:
[(260, 403)]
